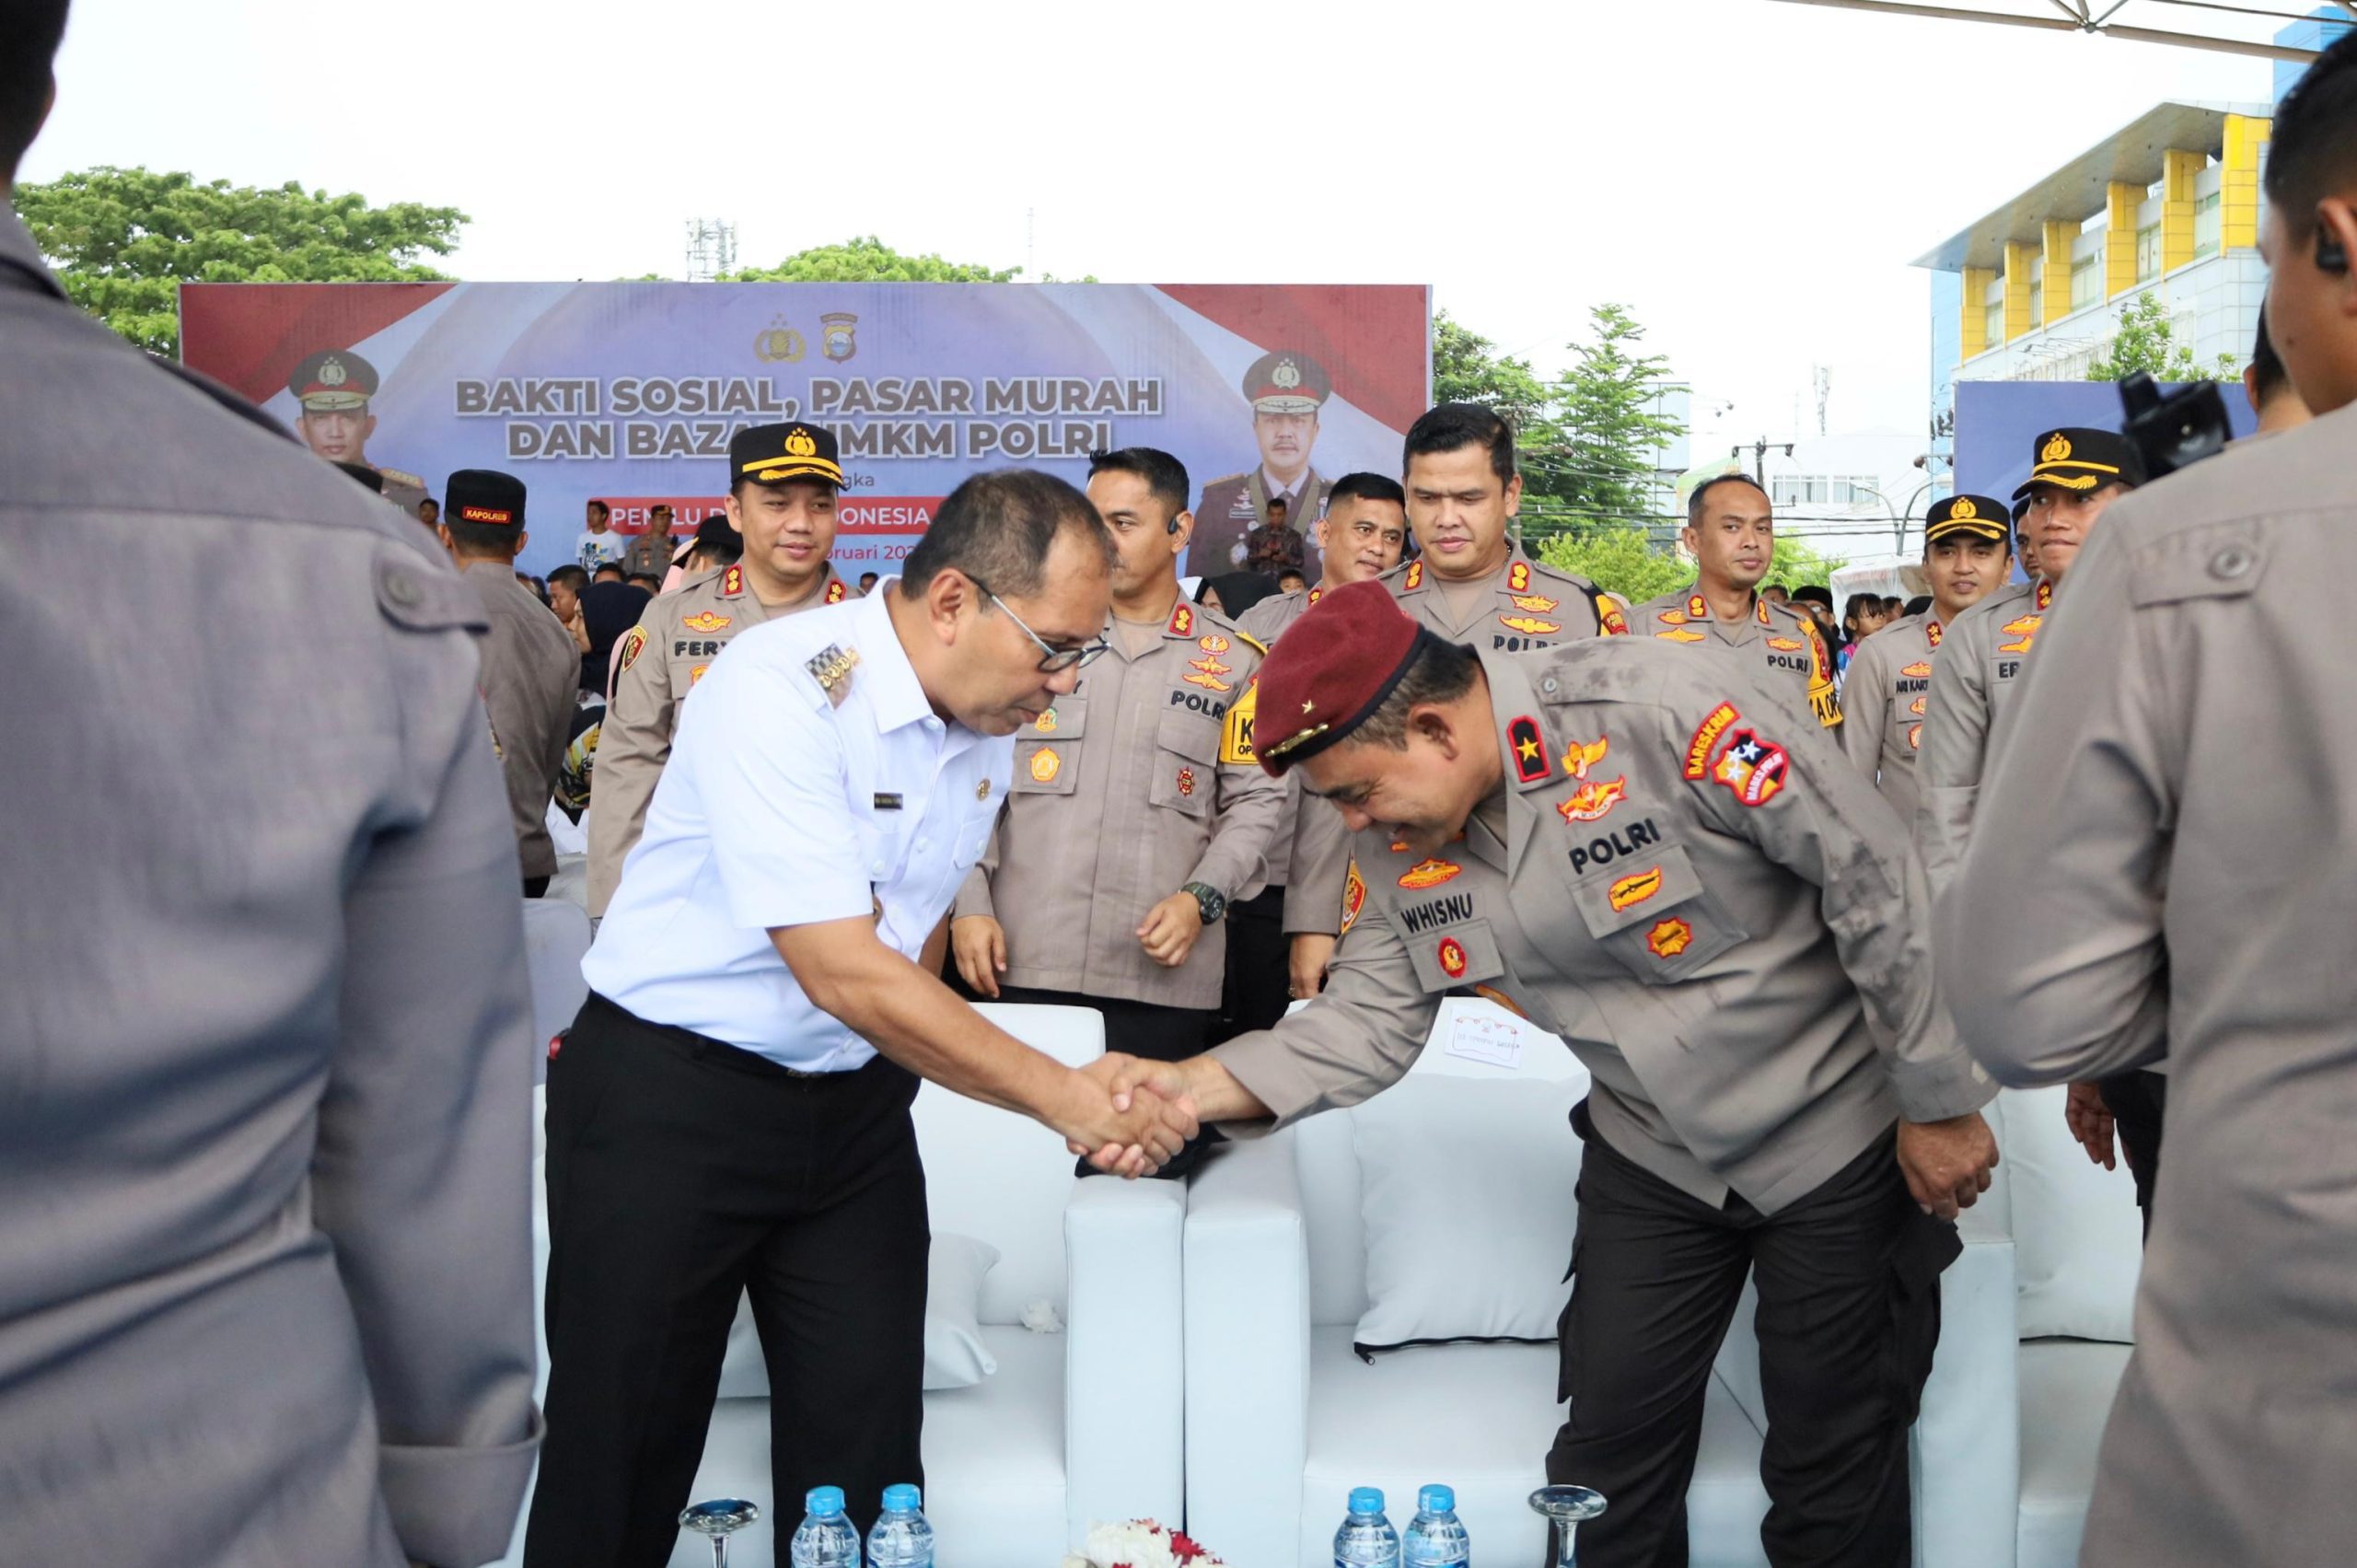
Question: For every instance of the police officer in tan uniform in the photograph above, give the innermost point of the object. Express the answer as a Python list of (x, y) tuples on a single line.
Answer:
[(2076, 474), (1653, 857), (333, 389), (783, 480), (1966, 555), (1138, 811), (1361, 538), (2175, 785), (1471, 583), (1285, 389), (649, 553), (1731, 533), (530, 668)]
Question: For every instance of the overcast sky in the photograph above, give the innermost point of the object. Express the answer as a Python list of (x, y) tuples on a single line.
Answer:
[(1752, 179)]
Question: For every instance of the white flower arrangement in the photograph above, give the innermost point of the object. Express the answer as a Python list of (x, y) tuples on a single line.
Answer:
[(1140, 1543)]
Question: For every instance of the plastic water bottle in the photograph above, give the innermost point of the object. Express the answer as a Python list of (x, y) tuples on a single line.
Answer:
[(825, 1538), (902, 1539), (1366, 1539), (1435, 1539)]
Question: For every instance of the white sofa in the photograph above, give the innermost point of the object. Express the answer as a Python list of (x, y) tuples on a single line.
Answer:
[(1073, 1427), (1283, 1418), (2077, 1251)]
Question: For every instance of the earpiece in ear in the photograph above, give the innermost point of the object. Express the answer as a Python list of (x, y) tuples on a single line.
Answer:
[(2331, 255)]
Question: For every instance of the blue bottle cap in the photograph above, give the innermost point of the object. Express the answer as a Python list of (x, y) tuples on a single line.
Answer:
[(824, 1501), (901, 1499), (1437, 1499), (1367, 1500)]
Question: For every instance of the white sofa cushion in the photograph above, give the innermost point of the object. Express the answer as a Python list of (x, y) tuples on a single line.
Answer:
[(2078, 1241), (1466, 1190), (2066, 1393)]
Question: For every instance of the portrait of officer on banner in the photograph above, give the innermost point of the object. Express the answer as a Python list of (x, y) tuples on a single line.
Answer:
[(1285, 389), (332, 387)]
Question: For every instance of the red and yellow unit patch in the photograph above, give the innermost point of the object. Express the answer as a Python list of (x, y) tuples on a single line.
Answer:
[(1213, 645), (1786, 645), (1208, 682), (1518, 577), (1209, 665), (1182, 619), (708, 620), (1528, 747), (1045, 723), (1529, 625), (1932, 632), (1632, 890), (1593, 801), (626, 653), (1669, 938), (1681, 636), (2025, 631), (1414, 579), (1754, 771), (1046, 765), (1452, 958), (1706, 736), (696, 674), (1914, 738), (1672, 618), (1611, 622), (2045, 595), (732, 582), (1429, 873), (1538, 604), (497, 514), (1918, 670), (837, 592), (1185, 781), (1916, 707), (1697, 608), (1578, 757), (1354, 896)]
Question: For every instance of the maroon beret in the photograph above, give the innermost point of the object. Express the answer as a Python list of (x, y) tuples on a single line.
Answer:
[(1331, 669)]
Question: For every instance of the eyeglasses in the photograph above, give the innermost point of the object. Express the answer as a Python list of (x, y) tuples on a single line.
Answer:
[(1052, 659)]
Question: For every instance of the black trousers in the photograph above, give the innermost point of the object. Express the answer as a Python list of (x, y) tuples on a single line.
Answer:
[(1258, 985), (2137, 1102), (1849, 1317), (1140, 1028), (682, 1173)]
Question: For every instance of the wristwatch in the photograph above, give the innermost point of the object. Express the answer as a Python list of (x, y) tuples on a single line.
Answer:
[(1209, 902)]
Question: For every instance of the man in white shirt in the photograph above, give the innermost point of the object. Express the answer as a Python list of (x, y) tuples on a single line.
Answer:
[(730, 1112), (599, 544)]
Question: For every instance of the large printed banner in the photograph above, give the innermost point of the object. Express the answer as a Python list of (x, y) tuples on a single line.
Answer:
[(628, 392)]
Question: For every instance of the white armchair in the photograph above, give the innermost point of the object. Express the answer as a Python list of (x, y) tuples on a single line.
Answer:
[(1283, 1418), (1065, 1432)]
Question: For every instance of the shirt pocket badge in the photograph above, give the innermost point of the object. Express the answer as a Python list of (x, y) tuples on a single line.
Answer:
[(1453, 957), (1186, 764), (1654, 916)]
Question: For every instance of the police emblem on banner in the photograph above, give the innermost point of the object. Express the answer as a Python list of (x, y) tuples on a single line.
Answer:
[(836, 340)]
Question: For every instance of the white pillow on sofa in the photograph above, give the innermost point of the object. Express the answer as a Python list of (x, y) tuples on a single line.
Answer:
[(955, 1356), (2078, 1239), (1466, 1192)]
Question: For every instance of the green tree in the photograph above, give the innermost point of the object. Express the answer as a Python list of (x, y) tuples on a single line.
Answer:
[(124, 240), (1625, 561), (2147, 341), (868, 260), (1468, 368), (1796, 565), (1599, 446)]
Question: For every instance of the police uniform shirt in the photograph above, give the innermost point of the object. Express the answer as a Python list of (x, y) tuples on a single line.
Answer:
[(648, 555), (1783, 637), (2176, 863), (1526, 604), (1975, 672), (809, 781), (656, 664), (1310, 856), (1883, 706), (1140, 781), (530, 671), (1236, 504), (1687, 883)]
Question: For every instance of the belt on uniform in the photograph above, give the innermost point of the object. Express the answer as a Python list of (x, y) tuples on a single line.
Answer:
[(705, 1048)]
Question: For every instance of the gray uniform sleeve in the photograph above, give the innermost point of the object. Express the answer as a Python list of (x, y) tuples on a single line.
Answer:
[(1358, 1038), (1866, 719), (1321, 863), (2052, 935), (1956, 743), (422, 1175), (634, 742), (1830, 827)]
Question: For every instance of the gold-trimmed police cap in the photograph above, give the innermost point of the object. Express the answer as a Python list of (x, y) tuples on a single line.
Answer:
[(333, 381), (1975, 516), (2078, 458), (1286, 381), (771, 454)]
